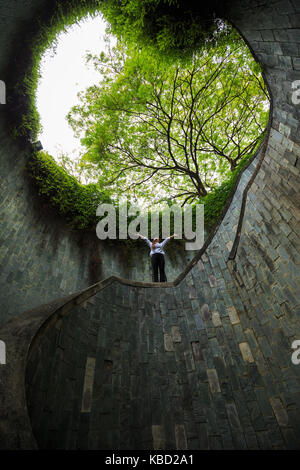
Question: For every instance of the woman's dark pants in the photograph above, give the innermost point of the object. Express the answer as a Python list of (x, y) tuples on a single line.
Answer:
[(158, 263)]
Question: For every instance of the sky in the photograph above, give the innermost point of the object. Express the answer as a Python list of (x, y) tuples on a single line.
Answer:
[(64, 74)]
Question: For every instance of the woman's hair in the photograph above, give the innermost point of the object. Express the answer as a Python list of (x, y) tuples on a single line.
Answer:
[(154, 243)]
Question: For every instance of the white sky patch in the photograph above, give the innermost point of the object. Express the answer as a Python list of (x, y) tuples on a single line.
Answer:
[(63, 76)]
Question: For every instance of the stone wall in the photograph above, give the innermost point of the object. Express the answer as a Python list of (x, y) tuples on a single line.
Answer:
[(205, 364), (41, 258)]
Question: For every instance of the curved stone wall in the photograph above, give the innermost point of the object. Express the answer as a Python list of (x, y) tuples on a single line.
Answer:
[(205, 363), (41, 258)]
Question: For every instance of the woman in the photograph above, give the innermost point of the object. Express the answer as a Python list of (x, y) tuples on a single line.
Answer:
[(157, 257)]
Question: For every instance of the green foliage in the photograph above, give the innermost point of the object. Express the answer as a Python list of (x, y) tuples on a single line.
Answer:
[(161, 20), (78, 203)]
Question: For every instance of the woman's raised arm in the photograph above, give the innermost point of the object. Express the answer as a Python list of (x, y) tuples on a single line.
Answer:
[(145, 238)]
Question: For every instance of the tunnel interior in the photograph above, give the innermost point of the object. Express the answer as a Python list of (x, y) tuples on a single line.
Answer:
[(202, 363)]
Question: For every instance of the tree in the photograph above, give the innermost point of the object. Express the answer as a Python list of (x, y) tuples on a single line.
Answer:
[(172, 128), (167, 25)]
